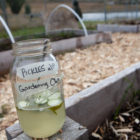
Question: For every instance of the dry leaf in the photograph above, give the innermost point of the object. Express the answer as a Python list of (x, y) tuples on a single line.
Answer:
[(125, 130), (97, 136), (137, 121), (125, 114), (121, 118)]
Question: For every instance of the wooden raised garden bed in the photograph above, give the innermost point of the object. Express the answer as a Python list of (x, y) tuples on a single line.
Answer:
[(103, 93)]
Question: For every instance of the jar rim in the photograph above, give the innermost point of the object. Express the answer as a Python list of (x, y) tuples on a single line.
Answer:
[(31, 42), (31, 46)]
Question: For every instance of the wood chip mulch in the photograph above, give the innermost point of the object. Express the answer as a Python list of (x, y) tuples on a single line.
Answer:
[(81, 69), (84, 68)]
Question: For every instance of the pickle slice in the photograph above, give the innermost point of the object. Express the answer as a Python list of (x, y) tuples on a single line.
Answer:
[(41, 98), (53, 109), (48, 93), (22, 104), (54, 96), (54, 102)]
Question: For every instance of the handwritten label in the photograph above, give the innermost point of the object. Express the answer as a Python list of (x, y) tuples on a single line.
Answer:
[(36, 86), (36, 70)]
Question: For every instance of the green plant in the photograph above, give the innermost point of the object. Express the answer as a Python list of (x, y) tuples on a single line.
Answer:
[(130, 86), (15, 5), (25, 31), (130, 89)]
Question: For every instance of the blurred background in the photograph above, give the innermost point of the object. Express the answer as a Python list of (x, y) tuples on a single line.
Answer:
[(28, 17)]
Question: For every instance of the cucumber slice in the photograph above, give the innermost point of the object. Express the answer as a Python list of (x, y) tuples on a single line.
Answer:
[(23, 104), (56, 95), (41, 98), (48, 93), (55, 102)]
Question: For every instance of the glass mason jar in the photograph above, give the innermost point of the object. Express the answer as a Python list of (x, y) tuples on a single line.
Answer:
[(37, 88)]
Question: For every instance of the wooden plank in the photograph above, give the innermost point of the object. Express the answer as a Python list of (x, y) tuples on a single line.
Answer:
[(71, 131), (6, 57), (22, 137), (118, 28), (80, 42), (74, 32), (4, 42), (13, 131), (100, 101)]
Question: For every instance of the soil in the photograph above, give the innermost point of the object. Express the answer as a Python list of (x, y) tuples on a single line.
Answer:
[(125, 126), (81, 69)]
